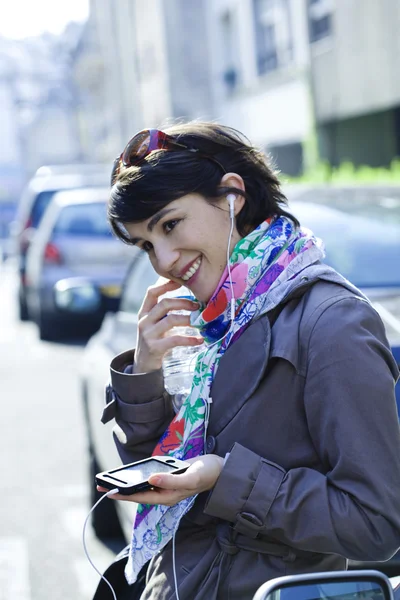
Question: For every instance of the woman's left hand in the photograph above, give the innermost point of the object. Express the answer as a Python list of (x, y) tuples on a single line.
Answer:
[(171, 489)]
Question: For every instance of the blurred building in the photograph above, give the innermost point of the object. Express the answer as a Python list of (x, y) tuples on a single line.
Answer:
[(297, 75), (139, 66), (105, 76), (11, 164), (38, 122), (260, 70), (173, 60), (242, 62), (11, 158), (355, 52), (301, 78)]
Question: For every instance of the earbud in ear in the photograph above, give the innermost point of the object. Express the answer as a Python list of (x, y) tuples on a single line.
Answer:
[(231, 200)]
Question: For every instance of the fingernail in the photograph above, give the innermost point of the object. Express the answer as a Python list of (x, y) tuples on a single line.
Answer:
[(156, 480)]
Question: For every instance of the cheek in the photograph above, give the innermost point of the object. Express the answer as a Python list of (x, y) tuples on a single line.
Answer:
[(154, 264)]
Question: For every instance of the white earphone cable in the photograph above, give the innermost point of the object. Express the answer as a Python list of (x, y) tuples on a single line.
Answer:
[(110, 493), (228, 257), (174, 567)]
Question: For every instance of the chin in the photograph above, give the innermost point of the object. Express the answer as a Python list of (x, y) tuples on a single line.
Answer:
[(202, 293), (203, 297)]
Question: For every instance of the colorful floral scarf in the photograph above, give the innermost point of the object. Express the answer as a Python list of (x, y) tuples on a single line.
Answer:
[(267, 259)]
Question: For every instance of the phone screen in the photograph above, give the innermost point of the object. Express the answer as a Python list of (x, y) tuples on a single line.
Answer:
[(141, 472)]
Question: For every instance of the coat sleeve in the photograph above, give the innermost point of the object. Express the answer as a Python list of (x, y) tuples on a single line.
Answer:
[(140, 406), (353, 507)]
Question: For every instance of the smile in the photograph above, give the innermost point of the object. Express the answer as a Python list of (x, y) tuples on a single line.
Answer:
[(193, 269)]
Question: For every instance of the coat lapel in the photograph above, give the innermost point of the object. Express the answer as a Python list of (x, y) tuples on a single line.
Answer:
[(239, 372)]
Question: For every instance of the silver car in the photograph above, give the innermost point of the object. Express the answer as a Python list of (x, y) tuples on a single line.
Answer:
[(74, 241), (32, 205)]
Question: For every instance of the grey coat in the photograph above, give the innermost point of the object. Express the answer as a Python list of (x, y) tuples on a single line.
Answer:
[(307, 412)]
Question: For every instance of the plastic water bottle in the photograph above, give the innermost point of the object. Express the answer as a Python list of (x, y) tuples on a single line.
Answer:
[(179, 363)]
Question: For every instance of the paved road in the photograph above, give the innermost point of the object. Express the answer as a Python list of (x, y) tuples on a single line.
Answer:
[(44, 499)]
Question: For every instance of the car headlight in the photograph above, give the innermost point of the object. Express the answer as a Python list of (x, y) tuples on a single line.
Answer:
[(78, 296)]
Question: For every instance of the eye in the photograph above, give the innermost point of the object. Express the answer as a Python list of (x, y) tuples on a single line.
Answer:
[(168, 226), (147, 246)]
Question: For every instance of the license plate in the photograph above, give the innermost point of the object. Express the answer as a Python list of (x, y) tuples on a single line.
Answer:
[(112, 291)]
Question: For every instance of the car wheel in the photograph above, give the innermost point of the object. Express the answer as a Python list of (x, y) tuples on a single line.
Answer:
[(22, 308), (105, 521), (49, 329)]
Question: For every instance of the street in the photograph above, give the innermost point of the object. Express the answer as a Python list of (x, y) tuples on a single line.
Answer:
[(45, 497)]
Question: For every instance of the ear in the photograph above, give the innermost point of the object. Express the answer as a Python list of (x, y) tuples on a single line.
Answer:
[(235, 181)]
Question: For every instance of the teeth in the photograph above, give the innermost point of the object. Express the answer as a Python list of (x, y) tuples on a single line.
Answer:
[(192, 270)]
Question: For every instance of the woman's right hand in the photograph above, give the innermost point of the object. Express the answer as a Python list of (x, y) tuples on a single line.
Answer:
[(154, 322)]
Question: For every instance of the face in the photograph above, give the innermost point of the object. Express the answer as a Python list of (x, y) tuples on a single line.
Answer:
[(187, 242)]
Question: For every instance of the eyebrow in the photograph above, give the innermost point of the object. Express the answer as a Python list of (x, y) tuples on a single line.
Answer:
[(153, 222)]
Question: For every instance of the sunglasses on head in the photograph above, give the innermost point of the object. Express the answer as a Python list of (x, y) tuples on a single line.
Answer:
[(145, 142)]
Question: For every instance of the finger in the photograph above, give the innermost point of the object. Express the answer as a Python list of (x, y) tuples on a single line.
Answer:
[(161, 346), (154, 292), (168, 305), (151, 497), (160, 496), (161, 327), (112, 496), (189, 480)]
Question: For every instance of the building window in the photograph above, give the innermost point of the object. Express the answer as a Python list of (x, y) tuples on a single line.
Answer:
[(273, 34), (230, 57), (320, 19)]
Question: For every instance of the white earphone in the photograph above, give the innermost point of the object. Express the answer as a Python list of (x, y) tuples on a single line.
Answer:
[(231, 201)]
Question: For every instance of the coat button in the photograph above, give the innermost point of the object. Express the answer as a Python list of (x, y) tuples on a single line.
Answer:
[(210, 444)]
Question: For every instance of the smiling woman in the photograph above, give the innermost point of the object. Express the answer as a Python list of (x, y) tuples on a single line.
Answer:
[(290, 426)]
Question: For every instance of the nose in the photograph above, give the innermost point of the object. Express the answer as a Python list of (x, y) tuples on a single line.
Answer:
[(166, 257)]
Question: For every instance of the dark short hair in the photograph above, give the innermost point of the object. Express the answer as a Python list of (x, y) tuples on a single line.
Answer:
[(163, 176)]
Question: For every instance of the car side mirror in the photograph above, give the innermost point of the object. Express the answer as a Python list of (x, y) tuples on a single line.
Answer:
[(77, 295), (335, 585)]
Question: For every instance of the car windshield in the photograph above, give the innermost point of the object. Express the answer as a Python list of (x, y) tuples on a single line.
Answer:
[(39, 206), (83, 220), (360, 229)]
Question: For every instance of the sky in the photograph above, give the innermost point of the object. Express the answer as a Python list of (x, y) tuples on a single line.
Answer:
[(25, 18)]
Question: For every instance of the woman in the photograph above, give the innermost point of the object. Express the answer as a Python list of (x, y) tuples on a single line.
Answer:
[(291, 425)]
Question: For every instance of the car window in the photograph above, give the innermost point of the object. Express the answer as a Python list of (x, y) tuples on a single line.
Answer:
[(361, 233), (40, 204), (138, 280), (7, 212), (83, 220)]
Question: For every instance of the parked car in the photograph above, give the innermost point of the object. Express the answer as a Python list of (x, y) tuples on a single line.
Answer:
[(395, 583), (339, 585), (74, 241), (72, 169), (34, 200), (361, 228), (7, 212)]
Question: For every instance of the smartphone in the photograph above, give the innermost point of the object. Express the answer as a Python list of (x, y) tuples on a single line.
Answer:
[(133, 477)]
